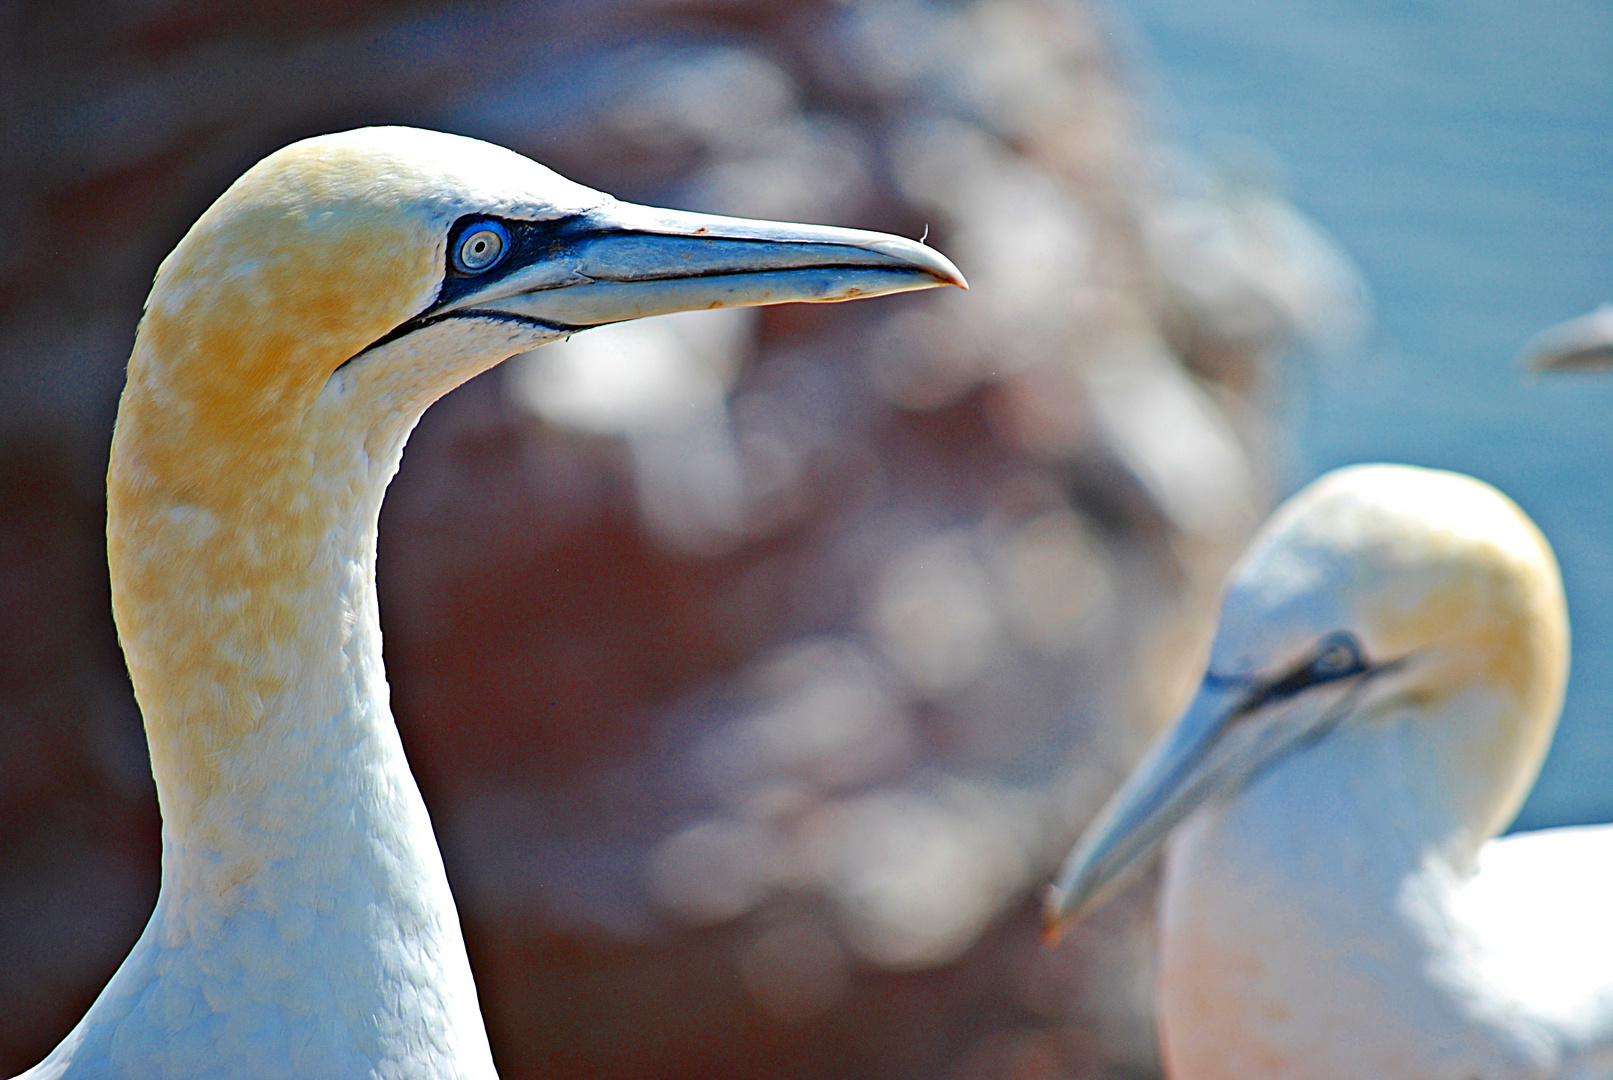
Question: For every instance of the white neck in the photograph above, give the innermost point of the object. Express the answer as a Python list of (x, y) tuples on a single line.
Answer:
[(1316, 905), (304, 924)]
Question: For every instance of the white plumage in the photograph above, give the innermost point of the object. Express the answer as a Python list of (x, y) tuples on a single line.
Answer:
[(1383, 685), (305, 926)]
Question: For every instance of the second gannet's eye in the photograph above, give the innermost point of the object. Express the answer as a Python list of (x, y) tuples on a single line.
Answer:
[(1337, 656), (481, 247)]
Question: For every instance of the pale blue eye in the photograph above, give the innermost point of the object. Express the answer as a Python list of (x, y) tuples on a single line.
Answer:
[(480, 247), (1337, 656)]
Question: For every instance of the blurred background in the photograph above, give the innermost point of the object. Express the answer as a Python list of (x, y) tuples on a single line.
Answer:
[(759, 666)]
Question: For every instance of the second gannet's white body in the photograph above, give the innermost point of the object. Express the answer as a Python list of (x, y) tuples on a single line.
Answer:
[(305, 926), (1383, 686), (1304, 933)]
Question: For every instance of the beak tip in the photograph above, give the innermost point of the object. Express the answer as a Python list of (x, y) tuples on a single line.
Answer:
[(919, 256), (944, 270), (1055, 920)]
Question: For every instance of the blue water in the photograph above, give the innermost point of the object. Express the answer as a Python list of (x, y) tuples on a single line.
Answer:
[(1462, 152)]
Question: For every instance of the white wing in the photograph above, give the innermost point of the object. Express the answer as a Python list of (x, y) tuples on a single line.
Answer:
[(1541, 905)]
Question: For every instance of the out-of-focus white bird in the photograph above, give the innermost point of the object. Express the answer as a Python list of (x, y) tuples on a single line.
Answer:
[(1581, 343), (304, 926), (1382, 688)]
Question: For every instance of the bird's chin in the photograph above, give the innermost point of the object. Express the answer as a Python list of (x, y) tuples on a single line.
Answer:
[(404, 375)]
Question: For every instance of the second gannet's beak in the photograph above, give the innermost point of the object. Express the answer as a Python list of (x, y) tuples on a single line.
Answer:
[(618, 261), (1231, 730)]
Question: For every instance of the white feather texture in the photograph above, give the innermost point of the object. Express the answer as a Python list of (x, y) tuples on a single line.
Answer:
[(1383, 686), (305, 926)]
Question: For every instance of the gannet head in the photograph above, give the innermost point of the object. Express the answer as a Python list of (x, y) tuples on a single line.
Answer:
[(1379, 596), (296, 334), (387, 265)]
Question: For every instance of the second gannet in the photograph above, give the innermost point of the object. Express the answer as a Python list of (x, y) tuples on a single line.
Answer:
[(1383, 685), (304, 926)]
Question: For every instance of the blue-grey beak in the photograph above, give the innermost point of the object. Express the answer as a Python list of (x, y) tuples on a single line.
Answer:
[(620, 261), (1232, 730), (1580, 344), (1173, 780)]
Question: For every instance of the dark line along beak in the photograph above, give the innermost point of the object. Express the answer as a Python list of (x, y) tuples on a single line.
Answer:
[(1220, 741), (1584, 343), (622, 261)]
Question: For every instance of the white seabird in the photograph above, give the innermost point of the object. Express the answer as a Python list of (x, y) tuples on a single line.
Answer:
[(304, 926), (1382, 687)]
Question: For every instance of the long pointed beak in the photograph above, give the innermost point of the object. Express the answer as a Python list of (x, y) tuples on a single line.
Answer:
[(620, 261), (1178, 774), (1229, 732), (1580, 344)]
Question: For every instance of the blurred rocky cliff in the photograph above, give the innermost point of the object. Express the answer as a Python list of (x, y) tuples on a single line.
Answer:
[(758, 666)]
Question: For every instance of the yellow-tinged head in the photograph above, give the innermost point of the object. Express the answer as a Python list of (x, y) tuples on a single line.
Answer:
[(1410, 601), (1432, 567), (342, 250), (294, 337), (316, 252)]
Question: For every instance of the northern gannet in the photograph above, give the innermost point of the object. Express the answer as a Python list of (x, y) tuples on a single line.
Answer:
[(1383, 685), (291, 341)]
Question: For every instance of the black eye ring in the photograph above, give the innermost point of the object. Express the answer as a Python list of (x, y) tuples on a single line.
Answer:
[(480, 246)]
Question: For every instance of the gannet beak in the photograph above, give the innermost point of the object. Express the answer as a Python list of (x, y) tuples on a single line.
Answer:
[(1231, 731), (619, 261), (1171, 781), (1580, 344)]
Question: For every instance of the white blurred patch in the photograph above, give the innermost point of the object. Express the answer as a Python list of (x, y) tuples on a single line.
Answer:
[(795, 970), (661, 384), (837, 731), (827, 718), (1054, 582), (656, 99), (796, 169), (1537, 921), (712, 871), (918, 876), (1175, 440), (934, 613), (1242, 259), (946, 607), (718, 94)]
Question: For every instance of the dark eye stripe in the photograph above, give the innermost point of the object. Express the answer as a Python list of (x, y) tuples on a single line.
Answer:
[(525, 242), (1337, 656)]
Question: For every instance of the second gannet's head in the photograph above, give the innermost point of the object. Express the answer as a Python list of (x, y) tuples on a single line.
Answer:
[(1379, 596), (374, 270)]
